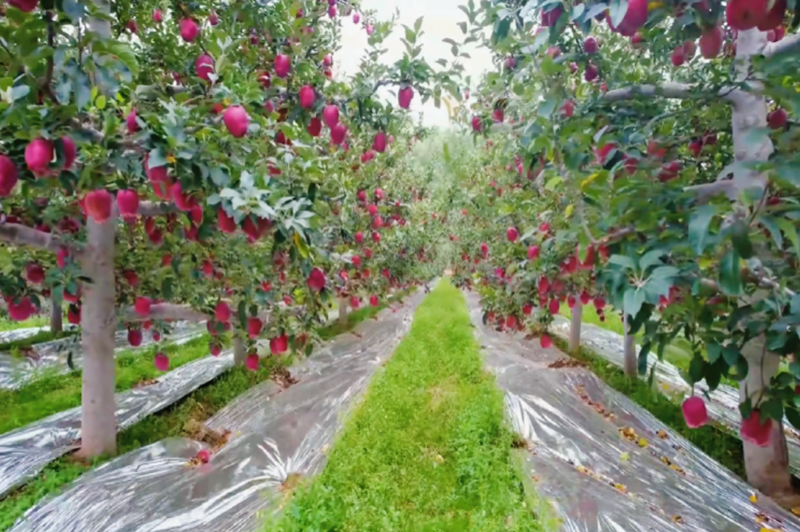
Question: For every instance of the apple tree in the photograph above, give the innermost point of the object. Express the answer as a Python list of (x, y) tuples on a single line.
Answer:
[(648, 155)]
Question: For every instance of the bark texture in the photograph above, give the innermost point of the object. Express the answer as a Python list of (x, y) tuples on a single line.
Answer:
[(98, 324), (575, 328)]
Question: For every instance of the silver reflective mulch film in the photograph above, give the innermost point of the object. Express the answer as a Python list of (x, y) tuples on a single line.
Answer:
[(277, 433), (51, 357), (604, 463), (26, 451), (723, 405), (20, 334)]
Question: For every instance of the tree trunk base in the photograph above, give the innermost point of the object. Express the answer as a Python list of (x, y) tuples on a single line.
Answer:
[(575, 329), (767, 469), (239, 352)]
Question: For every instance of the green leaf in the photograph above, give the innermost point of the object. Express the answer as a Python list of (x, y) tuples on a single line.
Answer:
[(651, 258), (731, 355), (772, 226), (664, 272), (577, 11), (83, 90), (740, 238), (156, 158), (19, 91), (713, 351), (772, 408), (166, 288), (713, 376), (790, 231), (642, 361), (219, 176), (617, 9), (595, 10), (696, 369), (730, 280), (125, 55), (698, 227), (622, 260), (547, 107), (553, 182), (794, 417), (634, 297)]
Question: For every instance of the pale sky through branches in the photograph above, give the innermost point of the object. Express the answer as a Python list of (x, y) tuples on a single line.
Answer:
[(440, 18)]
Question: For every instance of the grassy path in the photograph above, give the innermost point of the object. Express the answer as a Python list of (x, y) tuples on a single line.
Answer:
[(428, 450)]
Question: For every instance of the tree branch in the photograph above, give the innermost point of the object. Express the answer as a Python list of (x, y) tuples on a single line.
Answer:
[(22, 235), (151, 208), (787, 45), (165, 311), (708, 190), (668, 90)]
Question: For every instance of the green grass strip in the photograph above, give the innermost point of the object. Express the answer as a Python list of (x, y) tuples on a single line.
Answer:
[(199, 406), (714, 440), (428, 448), (7, 324)]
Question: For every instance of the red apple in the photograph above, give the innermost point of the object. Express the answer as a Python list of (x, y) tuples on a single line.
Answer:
[(236, 120), (282, 65), (98, 205), (8, 175), (307, 97), (314, 127), (38, 155), (777, 119), (128, 203), (331, 115), (774, 16), (745, 14), (24, 5), (189, 29), (711, 42), (404, 96), (204, 67)]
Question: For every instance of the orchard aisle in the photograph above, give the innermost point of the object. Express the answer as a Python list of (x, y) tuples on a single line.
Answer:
[(255, 448), (429, 448), (604, 463)]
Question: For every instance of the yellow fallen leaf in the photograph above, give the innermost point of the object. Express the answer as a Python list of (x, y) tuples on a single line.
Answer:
[(796, 511), (753, 498), (642, 442), (625, 457)]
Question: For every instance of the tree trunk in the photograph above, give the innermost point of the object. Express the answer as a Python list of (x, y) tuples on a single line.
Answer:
[(767, 467), (575, 328), (56, 315), (239, 352), (98, 323), (343, 311), (629, 344)]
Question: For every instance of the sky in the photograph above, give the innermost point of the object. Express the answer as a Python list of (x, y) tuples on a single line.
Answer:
[(440, 18)]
